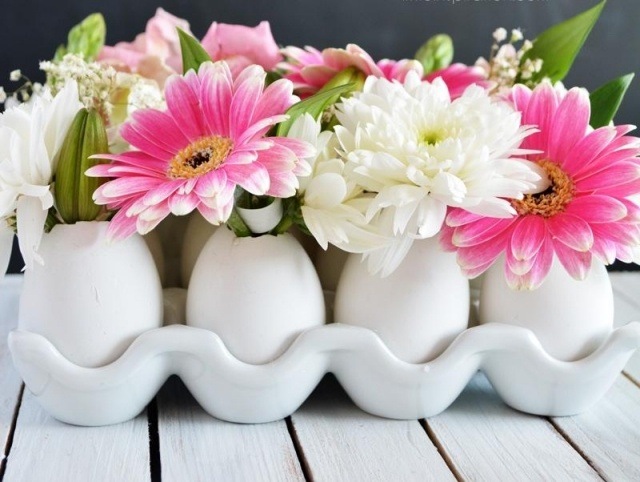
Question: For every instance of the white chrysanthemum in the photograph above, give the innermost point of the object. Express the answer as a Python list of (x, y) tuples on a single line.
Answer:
[(419, 152), (31, 135), (333, 208)]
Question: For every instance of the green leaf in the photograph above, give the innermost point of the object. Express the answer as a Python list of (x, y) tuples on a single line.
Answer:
[(272, 76), (291, 211), (606, 100), (559, 45), (314, 105), (193, 54), (86, 39), (350, 75), (436, 53), (237, 225), (61, 51)]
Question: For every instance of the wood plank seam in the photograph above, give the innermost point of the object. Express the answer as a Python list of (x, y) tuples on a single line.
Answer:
[(574, 445), (12, 429), (632, 379), (306, 469), (155, 459), (441, 450), (621, 294)]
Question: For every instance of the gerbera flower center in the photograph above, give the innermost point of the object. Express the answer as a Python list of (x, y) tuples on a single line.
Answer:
[(552, 200), (200, 157)]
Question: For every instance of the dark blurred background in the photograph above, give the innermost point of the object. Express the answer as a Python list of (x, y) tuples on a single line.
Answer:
[(30, 30)]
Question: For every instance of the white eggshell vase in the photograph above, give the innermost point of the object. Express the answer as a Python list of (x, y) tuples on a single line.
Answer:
[(196, 235), (417, 311), (92, 297), (257, 293), (570, 318)]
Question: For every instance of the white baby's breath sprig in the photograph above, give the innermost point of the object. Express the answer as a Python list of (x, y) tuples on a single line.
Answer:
[(96, 83), (115, 95), (22, 93), (505, 65)]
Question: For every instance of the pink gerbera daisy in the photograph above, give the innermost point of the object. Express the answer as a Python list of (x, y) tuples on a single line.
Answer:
[(586, 211), (193, 155)]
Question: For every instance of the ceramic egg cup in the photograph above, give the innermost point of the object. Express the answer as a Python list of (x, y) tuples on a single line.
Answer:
[(522, 373)]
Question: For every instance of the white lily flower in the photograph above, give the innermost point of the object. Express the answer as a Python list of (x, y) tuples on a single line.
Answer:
[(31, 135)]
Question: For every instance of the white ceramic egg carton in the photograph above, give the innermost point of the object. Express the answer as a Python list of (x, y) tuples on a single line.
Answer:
[(522, 373)]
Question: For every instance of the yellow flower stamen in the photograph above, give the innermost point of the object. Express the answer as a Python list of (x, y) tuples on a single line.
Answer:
[(432, 137), (551, 201), (200, 157)]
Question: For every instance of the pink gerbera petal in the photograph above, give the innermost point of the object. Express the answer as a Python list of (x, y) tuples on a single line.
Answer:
[(277, 98), (527, 237), (252, 177), (617, 174), (183, 100), (482, 254), (587, 149), (216, 92), (597, 209), (571, 230), (172, 139), (181, 204), (136, 135), (211, 183), (540, 267), (577, 263), (480, 231), (539, 112), (569, 124), (246, 96)]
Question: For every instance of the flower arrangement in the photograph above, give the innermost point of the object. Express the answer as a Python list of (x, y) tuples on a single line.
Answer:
[(428, 170)]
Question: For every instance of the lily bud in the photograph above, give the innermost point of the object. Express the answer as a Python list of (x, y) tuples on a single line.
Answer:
[(86, 137)]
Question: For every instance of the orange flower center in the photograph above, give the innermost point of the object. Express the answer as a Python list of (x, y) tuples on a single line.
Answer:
[(552, 200), (200, 157)]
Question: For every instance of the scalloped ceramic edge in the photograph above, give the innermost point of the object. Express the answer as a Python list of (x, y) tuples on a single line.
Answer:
[(522, 373)]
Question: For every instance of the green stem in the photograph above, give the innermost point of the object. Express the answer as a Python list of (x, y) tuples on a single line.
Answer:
[(237, 225)]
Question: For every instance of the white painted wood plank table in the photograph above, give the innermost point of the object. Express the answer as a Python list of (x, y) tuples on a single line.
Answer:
[(328, 438)]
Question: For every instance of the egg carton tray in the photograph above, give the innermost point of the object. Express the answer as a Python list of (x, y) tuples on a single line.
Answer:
[(525, 376)]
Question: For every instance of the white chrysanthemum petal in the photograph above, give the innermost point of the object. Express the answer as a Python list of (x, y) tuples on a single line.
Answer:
[(447, 186), (384, 261), (306, 129), (326, 191)]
